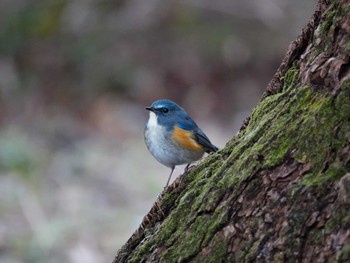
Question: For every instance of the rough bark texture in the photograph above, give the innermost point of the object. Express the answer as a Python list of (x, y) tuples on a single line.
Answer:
[(280, 190)]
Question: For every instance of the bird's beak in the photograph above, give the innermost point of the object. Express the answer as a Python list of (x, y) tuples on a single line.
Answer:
[(150, 109)]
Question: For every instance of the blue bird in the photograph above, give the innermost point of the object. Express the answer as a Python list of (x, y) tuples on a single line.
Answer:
[(172, 137)]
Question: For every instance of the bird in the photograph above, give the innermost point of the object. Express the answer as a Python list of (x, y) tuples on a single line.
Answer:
[(172, 137)]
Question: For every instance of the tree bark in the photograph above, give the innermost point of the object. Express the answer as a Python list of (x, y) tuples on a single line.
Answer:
[(280, 190)]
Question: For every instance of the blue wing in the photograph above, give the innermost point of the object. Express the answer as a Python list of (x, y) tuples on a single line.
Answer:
[(188, 124)]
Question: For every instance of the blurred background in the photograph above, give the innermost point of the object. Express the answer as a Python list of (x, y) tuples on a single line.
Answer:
[(75, 76)]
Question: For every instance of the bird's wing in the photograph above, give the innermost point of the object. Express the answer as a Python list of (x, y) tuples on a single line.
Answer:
[(197, 134), (186, 139), (203, 140)]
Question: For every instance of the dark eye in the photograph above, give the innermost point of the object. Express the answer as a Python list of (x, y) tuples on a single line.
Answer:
[(165, 110)]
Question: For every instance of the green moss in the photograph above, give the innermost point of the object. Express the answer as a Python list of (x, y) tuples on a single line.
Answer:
[(306, 124), (141, 250), (192, 238), (340, 217), (344, 254), (254, 249), (219, 251), (342, 104), (274, 129), (315, 238), (347, 46), (333, 173), (261, 115), (190, 244), (330, 14), (332, 20), (290, 78)]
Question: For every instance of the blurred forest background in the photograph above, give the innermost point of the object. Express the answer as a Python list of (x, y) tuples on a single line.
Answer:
[(75, 77)]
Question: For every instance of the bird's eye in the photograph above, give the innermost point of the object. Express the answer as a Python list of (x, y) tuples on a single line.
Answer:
[(165, 110)]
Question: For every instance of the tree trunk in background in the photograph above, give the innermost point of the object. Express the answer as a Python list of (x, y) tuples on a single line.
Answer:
[(280, 190)]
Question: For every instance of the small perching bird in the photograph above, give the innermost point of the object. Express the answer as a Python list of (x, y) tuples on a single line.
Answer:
[(172, 137)]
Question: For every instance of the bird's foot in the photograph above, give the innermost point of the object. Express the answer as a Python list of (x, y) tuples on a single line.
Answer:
[(189, 168)]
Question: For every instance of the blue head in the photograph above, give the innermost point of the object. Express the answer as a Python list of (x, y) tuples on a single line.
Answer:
[(169, 114)]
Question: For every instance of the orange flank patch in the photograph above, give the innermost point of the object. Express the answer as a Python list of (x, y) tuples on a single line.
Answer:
[(185, 139)]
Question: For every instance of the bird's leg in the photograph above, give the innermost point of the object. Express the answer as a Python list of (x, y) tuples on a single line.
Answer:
[(187, 168), (185, 172), (172, 170)]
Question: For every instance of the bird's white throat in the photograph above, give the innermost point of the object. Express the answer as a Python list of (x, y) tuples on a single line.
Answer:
[(152, 122)]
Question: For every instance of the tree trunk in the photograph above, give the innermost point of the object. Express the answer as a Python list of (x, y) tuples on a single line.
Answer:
[(280, 190)]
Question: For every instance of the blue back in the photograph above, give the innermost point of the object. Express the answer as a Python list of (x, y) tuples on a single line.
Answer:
[(175, 116)]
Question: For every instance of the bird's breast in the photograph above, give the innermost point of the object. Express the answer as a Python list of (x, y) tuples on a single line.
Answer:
[(171, 147), (155, 134)]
